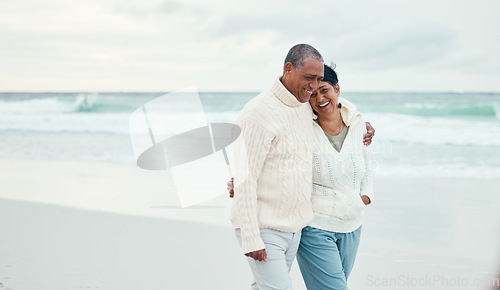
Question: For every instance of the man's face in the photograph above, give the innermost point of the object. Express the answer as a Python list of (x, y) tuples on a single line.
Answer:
[(303, 81)]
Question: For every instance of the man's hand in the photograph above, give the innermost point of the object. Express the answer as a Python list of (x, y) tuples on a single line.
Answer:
[(230, 187), (366, 199), (370, 132), (259, 255)]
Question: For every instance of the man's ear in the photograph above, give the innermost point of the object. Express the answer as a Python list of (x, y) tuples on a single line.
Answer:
[(288, 67)]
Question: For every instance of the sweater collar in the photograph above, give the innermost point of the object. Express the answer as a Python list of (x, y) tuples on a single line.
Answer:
[(348, 111), (279, 90)]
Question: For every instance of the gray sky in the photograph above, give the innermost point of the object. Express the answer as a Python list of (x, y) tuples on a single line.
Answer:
[(222, 45)]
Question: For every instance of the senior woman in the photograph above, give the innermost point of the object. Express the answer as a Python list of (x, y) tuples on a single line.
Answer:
[(342, 187)]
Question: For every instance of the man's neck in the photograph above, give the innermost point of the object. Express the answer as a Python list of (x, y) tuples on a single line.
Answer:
[(285, 84)]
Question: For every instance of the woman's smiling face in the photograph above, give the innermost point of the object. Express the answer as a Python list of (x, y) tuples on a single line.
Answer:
[(324, 99)]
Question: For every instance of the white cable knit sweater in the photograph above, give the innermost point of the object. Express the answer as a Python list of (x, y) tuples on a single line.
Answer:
[(273, 164), (340, 178)]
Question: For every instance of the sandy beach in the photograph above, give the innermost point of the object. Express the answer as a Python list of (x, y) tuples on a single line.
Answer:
[(81, 225)]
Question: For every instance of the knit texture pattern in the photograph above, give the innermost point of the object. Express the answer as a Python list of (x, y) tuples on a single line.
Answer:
[(340, 178), (273, 166)]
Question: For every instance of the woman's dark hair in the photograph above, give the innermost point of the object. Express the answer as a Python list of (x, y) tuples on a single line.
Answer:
[(330, 76)]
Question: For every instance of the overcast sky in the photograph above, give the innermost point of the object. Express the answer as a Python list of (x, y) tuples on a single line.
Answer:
[(223, 45)]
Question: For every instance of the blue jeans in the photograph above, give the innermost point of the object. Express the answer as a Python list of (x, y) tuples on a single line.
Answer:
[(281, 248), (326, 258)]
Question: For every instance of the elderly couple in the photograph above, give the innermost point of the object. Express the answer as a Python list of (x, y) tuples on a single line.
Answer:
[(302, 177)]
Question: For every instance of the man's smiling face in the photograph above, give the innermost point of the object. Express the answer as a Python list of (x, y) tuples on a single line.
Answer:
[(303, 81)]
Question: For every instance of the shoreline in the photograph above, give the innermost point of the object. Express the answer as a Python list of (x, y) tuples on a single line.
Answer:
[(71, 224), (55, 247), (103, 187)]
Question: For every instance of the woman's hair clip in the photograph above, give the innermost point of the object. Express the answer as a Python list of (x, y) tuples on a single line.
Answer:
[(333, 65)]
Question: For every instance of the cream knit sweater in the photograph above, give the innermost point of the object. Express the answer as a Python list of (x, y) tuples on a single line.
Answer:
[(340, 178), (273, 164)]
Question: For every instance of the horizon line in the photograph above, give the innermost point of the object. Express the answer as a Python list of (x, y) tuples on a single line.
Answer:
[(239, 92)]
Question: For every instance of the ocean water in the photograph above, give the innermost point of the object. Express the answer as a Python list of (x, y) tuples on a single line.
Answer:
[(417, 134)]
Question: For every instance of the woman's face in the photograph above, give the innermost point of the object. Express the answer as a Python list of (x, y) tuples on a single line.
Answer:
[(325, 98)]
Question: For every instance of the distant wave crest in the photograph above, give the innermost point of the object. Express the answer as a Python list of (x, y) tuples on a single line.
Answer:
[(447, 110), (85, 103), (81, 103)]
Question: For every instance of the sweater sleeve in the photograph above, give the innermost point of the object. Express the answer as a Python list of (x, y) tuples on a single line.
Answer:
[(367, 182), (250, 152)]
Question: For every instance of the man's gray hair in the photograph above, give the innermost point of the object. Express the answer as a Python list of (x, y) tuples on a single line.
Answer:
[(298, 55)]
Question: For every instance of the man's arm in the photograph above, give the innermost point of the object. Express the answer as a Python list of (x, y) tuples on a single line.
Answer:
[(368, 136), (259, 255), (250, 152)]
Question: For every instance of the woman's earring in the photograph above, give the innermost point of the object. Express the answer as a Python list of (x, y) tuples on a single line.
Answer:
[(339, 105)]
